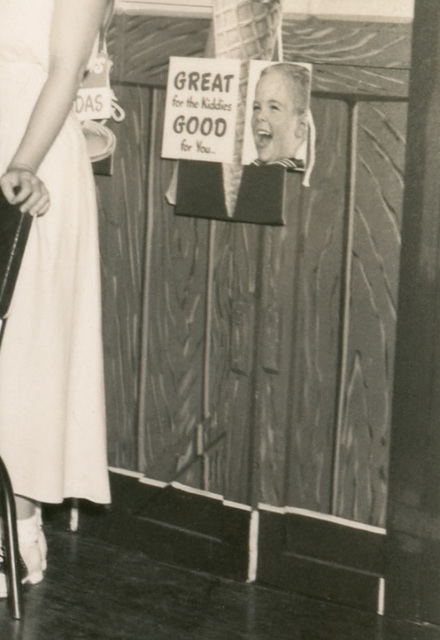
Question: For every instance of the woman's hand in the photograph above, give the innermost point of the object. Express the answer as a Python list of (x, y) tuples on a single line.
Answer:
[(21, 186)]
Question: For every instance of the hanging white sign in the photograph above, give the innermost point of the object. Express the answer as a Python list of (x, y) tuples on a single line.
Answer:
[(94, 98), (201, 109)]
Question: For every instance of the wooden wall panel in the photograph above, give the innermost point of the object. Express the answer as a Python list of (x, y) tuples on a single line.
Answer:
[(315, 348), (216, 360), (175, 302), (223, 356), (234, 307), (364, 446), (236, 411), (335, 80), (276, 318), (122, 238), (142, 46), (161, 37), (226, 390)]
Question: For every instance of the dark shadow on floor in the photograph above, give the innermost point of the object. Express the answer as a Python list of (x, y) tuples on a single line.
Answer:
[(95, 591)]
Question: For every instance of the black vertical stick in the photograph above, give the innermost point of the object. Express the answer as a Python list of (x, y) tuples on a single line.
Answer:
[(12, 554)]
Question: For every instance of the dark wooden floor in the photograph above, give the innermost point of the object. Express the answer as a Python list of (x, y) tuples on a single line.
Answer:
[(95, 591)]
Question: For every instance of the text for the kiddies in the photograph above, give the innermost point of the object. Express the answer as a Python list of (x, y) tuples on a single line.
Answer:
[(201, 109)]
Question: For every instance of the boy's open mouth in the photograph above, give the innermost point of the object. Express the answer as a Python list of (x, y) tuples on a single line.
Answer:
[(263, 138)]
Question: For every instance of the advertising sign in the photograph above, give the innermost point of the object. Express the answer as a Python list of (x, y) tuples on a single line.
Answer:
[(201, 109), (278, 102)]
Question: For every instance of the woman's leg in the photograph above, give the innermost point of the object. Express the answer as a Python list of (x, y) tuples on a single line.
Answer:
[(24, 507), (31, 543), (31, 540)]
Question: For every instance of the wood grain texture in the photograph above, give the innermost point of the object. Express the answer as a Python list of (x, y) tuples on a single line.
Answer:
[(232, 331), (223, 387), (375, 44), (315, 346), (122, 233), (141, 47), (338, 80), (148, 42), (374, 283), (176, 324), (279, 265), (241, 446)]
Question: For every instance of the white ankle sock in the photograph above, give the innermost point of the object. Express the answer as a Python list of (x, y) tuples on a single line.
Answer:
[(29, 534), (28, 529)]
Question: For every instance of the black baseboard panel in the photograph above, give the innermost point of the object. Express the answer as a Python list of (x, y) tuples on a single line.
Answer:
[(169, 524), (321, 559)]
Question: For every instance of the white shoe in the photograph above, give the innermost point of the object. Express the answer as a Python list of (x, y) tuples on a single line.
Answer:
[(33, 550)]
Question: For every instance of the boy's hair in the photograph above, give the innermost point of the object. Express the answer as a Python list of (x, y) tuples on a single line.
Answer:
[(299, 79)]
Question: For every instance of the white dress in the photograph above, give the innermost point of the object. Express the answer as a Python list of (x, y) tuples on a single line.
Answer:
[(52, 416)]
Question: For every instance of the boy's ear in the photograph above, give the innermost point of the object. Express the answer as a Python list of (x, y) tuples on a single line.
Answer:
[(301, 127)]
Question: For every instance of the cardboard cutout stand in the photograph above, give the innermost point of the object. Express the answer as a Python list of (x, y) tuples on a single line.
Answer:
[(260, 200)]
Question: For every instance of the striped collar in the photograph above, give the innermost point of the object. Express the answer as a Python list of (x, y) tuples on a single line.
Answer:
[(291, 164)]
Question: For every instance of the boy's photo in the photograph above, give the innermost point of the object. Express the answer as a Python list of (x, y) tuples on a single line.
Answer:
[(277, 109)]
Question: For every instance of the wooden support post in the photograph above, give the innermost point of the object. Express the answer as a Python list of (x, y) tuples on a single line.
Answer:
[(413, 567)]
